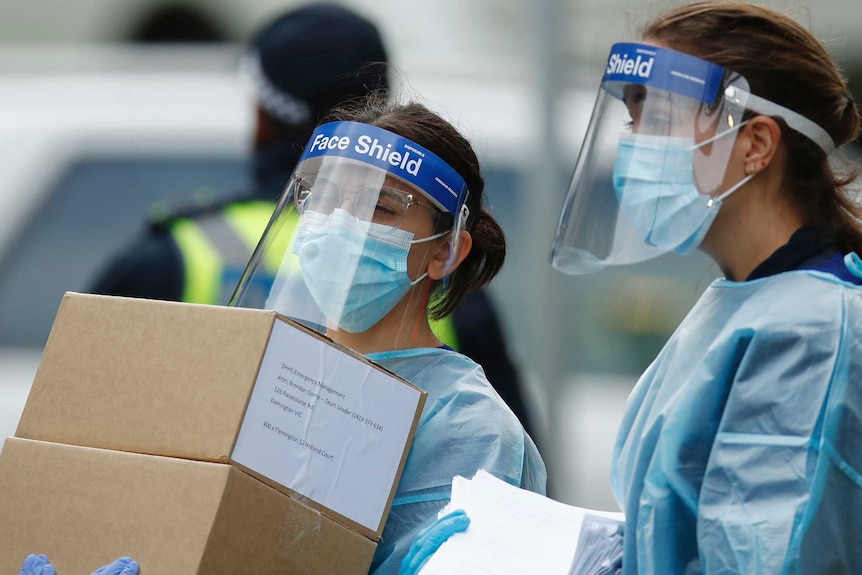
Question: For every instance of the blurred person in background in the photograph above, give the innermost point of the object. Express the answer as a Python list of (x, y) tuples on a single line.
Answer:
[(739, 450), (302, 63)]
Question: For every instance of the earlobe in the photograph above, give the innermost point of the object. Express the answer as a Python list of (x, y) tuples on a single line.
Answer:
[(764, 137), (444, 260)]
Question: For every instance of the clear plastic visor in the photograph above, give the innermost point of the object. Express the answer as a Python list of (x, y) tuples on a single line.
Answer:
[(347, 249), (651, 162), (378, 200), (650, 175)]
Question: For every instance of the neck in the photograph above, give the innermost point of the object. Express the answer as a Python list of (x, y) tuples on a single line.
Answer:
[(746, 236), (404, 327)]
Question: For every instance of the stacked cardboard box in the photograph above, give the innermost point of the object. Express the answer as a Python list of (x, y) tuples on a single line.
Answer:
[(201, 440)]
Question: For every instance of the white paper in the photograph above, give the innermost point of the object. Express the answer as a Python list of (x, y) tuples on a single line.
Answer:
[(326, 425), (511, 531)]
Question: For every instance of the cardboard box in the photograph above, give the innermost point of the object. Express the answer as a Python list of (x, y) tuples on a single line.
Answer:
[(84, 507), (247, 389)]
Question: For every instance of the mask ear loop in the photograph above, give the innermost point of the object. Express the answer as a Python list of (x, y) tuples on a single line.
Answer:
[(717, 201)]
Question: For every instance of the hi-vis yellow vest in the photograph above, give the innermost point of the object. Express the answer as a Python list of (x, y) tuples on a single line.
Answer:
[(217, 246)]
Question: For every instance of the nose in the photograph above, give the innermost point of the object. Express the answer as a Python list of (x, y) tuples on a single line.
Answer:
[(348, 204)]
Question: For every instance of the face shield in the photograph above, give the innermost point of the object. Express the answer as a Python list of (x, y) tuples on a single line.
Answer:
[(364, 213), (652, 172)]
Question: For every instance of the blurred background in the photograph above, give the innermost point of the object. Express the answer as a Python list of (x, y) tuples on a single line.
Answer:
[(115, 112)]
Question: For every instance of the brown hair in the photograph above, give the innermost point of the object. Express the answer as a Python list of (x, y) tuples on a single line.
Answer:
[(785, 64), (419, 124)]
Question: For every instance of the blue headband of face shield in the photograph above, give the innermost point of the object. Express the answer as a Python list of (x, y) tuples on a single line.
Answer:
[(686, 75), (395, 155)]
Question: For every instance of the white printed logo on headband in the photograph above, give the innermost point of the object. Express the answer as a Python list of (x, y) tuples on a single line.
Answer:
[(371, 147), (390, 152), (623, 64)]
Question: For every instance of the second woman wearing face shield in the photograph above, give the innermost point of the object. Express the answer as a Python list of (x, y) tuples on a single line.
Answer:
[(739, 448), (392, 230)]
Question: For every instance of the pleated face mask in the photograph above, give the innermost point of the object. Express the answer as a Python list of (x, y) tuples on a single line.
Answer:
[(655, 185), (355, 275)]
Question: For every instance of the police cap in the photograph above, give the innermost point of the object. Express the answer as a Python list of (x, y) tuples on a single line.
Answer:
[(313, 58)]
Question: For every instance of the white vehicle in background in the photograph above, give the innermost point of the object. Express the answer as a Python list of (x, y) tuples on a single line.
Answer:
[(89, 149)]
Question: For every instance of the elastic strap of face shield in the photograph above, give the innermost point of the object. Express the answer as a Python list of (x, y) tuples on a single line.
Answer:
[(796, 121), (459, 225)]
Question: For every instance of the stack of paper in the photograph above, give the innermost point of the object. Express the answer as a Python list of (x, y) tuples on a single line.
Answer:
[(516, 531)]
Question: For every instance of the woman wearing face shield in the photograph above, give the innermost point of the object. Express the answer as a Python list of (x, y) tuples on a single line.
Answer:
[(739, 448), (392, 232)]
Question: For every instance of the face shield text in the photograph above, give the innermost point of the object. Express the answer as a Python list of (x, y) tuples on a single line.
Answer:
[(622, 64), (371, 147)]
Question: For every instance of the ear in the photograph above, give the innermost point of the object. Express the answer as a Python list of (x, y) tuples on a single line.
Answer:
[(763, 140), (443, 260)]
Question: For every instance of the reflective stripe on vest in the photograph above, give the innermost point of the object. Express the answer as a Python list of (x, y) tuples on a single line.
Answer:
[(444, 329), (216, 248)]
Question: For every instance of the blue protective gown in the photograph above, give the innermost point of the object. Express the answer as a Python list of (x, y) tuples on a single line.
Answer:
[(464, 427), (740, 450)]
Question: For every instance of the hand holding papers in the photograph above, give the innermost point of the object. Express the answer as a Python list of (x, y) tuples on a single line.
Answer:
[(516, 531), (430, 539)]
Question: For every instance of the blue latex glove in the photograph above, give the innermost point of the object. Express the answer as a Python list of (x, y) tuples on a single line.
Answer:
[(121, 566), (37, 565), (431, 538)]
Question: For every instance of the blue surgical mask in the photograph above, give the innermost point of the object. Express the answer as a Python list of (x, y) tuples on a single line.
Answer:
[(654, 182), (331, 248)]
